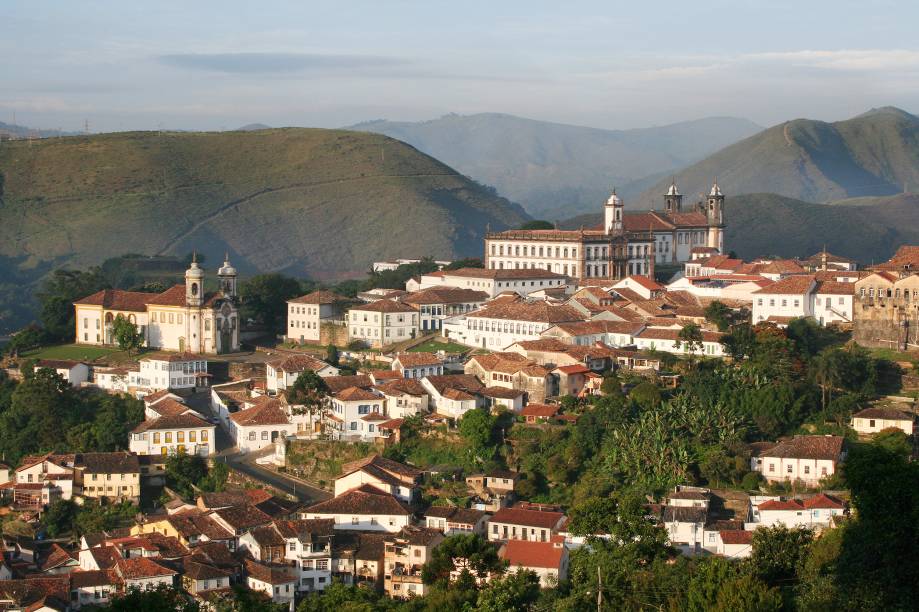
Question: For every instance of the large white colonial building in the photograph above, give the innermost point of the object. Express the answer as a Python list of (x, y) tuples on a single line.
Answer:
[(182, 318), (626, 243)]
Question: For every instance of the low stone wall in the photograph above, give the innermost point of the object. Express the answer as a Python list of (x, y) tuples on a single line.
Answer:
[(332, 333)]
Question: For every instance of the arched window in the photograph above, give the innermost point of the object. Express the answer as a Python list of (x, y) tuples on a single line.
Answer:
[(194, 289)]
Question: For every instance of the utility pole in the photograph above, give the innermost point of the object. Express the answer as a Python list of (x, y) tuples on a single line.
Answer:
[(599, 591)]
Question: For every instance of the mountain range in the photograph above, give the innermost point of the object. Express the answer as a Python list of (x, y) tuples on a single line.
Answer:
[(308, 202), (555, 170), (873, 154)]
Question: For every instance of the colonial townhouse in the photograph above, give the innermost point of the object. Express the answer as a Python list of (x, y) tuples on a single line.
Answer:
[(190, 528), (307, 314), (260, 425), (524, 522), (200, 578), (548, 560), (589, 333), (451, 520), (551, 352), (74, 372), (355, 413), (178, 372), (283, 373), (668, 341), (497, 326), (403, 397), (875, 419), (437, 303), (817, 511), (784, 300), (238, 520), (308, 545), (401, 481), (363, 508), (418, 365), (382, 322), (109, 476), (806, 458), (405, 553), (646, 287), (453, 395), (509, 370), (175, 434), (277, 582), (494, 282), (142, 573)]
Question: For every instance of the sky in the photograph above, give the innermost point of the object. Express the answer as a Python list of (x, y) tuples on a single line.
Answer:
[(203, 65)]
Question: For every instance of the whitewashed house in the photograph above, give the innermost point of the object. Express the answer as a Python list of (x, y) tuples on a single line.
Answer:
[(174, 434), (453, 395), (548, 560), (364, 508), (875, 419), (498, 325), (382, 322), (805, 458), (816, 511), (355, 414), (283, 373), (495, 281), (260, 425), (307, 313), (399, 480), (174, 371), (74, 372), (418, 364)]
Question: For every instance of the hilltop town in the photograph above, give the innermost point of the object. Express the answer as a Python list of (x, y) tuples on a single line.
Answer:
[(629, 396)]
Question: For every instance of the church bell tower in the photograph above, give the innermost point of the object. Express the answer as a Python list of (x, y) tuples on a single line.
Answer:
[(227, 276), (194, 284), (714, 212), (612, 214), (673, 199)]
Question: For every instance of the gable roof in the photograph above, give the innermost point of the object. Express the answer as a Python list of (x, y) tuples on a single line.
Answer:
[(459, 382), (445, 295), (524, 553), (116, 299), (363, 500), (109, 463), (243, 517), (384, 306), (888, 414), (792, 285), (178, 421), (537, 312), (270, 574), (418, 359), (319, 297), (378, 461), (539, 410), (356, 394), (807, 447), (298, 363), (137, 568), (267, 411), (736, 536), (339, 383), (525, 516)]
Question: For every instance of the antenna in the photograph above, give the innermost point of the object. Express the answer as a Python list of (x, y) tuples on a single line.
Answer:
[(86, 126)]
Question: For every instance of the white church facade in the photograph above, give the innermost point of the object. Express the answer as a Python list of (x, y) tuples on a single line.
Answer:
[(182, 318)]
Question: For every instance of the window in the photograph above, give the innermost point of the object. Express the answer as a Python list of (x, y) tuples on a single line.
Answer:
[(204, 436), (180, 436), (807, 469), (191, 436), (156, 437), (789, 468), (771, 467), (251, 435), (168, 437), (264, 435)]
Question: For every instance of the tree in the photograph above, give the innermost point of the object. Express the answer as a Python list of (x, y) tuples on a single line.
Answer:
[(470, 550), (610, 385), (537, 224), (57, 295), (26, 338), (184, 472), (159, 599), (331, 355), (718, 314), (516, 591), (468, 262), (691, 337), (477, 428), (265, 296), (646, 394), (778, 552), (309, 391), (894, 440), (127, 334), (59, 517)]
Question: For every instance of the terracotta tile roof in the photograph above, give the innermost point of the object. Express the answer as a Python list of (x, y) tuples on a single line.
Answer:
[(169, 407), (267, 411), (414, 360), (340, 383), (534, 273), (391, 424), (656, 333), (374, 416), (356, 394), (179, 421), (808, 447), (645, 282), (105, 556), (387, 465), (793, 285), (223, 499), (141, 567), (363, 500), (383, 376), (173, 357), (539, 410), (319, 297), (445, 295), (298, 363), (781, 505), (889, 414), (520, 553), (270, 574), (34, 593), (538, 312), (195, 523), (416, 536), (680, 514), (109, 463), (548, 345), (502, 392), (116, 299), (243, 517), (384, 306), (267, 536), (457, 395), (402, 386), (736, 536), (92, 578), (305, 528), (577, 368), (196, 570), (644, 221), (835, 288), (600, 326), (214, 553), (823, 501), (58, 364), (530, 518), (56, 557), (462, 382), (174, 296)]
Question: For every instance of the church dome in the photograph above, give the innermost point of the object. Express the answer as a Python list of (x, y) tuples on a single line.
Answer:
[(226, 269), (673, 191), (614, 200), (716, 190)]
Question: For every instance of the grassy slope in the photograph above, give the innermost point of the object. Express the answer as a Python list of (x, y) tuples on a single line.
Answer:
[(873, 154), (768, 224), (558, 170), (306, 201)]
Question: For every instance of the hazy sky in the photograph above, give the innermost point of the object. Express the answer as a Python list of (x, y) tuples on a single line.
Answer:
[(127, 64)]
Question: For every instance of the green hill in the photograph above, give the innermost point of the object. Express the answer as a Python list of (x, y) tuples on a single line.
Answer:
[(320, 203), (873, 154), (765, 224), (556, 170)]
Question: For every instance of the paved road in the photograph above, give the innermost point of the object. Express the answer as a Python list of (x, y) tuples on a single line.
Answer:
[(245, 464)]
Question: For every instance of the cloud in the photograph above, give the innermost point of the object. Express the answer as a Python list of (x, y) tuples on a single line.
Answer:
[(860, 60), (274, 63)]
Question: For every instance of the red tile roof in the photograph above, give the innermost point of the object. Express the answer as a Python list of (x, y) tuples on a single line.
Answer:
[(340, 383), (418, 359), (808, 447), (116, 299), (298, 363), (532, 273), (541, 312), (174, 296), (645, 282), (824, 501), (529, 518), (363, 500), (539, 410), (736, 536), (356, 394), (384, 306), (141, 567), (577, 368), (179, 421), (835, 288), (319, 297), (519, 553), (777, 504), (267, 411), (792, 285), (445, 295)]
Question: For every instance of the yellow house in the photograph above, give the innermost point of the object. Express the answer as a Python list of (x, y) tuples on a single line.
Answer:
[(112, 476)]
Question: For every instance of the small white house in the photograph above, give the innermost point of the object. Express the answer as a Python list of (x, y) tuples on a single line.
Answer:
[(817, 511), (805, 458), (365, 508), (277, 582), (260, 425), (382, 322), (74, 372), (548, 560), (283, 373), (873, 420), (178, 371), (418, 365)]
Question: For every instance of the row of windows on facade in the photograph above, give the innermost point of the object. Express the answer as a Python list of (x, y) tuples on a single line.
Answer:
[(508, 327), (797, 303), (186, 367), (790, 469), (361, 409), (356, 317), (294, 323), (372, 332), (894, 293), (177, 319), (265, 435), (634, 250), (193, 436), (451, 309), (307, 310)]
